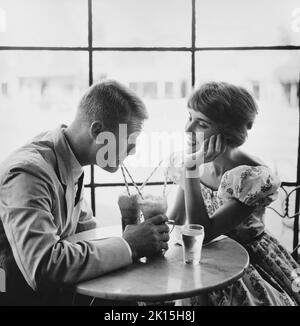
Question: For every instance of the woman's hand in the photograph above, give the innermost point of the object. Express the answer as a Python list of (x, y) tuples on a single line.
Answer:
[(209, 151), (179, 161)]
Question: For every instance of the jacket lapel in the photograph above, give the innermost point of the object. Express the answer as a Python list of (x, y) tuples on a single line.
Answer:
[(65, 170)]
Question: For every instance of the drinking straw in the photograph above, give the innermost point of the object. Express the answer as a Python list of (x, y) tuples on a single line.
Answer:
[(151, 174), (125, 180), (135, 185), (165, 183)]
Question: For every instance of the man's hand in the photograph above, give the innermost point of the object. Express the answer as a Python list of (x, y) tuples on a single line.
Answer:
[(148, 238)]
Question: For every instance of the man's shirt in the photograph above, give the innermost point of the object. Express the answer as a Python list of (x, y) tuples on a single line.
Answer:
[(41, 205)]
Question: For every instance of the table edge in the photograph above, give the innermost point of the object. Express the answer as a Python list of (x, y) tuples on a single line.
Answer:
[(169, 296)]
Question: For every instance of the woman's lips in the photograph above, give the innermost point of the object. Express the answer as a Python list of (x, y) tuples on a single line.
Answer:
[(193, 146), (192, 142)]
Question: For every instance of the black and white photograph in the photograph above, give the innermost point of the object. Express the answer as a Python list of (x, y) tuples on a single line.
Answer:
[(149, 155)]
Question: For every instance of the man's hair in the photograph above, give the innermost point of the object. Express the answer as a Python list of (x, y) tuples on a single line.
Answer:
[(112, 103), (231, 107)]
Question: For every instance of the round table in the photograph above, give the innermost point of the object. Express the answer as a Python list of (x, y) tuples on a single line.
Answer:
[(165, 278)]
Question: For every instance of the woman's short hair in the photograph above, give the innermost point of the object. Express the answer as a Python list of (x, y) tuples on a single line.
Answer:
[(112, 103), (231, 107)]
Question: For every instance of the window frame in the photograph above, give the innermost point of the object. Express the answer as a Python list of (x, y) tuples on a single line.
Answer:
[(192, 50)]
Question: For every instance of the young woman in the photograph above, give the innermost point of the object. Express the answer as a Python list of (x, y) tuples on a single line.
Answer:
[(230, 194)]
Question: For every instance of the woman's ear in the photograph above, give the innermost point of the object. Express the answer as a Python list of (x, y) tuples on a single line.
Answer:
[(95, 129)]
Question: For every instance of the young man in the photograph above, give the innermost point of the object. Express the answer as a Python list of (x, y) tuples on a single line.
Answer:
[(41, 202)]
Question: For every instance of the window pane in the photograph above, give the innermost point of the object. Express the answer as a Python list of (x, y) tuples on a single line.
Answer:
[(41, 91), (87, 195), (148, 73), (87, 174), (246, 23), (273, 78), (44, 23), (142, 23)]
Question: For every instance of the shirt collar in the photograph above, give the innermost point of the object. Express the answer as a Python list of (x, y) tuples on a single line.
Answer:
[(69, 168)]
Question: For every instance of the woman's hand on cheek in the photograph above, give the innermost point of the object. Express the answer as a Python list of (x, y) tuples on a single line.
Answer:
[(214, 147), (193, 159), (209, 151)]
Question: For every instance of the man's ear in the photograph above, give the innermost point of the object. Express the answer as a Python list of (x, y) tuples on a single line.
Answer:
[(95, 129)]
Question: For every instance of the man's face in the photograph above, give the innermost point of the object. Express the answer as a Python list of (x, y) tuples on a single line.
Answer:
[(127, 138), (116, 145)]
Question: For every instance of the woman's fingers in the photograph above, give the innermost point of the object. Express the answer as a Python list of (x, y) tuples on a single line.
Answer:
[(211, 146), (216, 146), (219, 144), (204, 146), (210, 149), (224, 145)]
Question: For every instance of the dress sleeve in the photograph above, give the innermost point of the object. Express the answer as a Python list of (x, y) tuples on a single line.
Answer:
[(253, 186)]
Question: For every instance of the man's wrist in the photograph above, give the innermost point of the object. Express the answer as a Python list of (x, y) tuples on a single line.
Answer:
[(131, 252)]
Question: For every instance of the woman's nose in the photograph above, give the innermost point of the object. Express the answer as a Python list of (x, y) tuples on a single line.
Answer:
[(189, 127), (132, 150)]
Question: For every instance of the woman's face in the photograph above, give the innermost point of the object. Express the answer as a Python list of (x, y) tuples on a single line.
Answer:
[(199, 124)]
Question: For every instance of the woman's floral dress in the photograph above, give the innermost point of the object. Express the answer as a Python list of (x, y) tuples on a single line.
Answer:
[(272, 271)]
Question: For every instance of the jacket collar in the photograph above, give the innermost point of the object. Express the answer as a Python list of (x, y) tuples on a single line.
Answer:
[(69, 168)]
